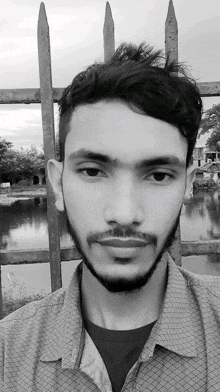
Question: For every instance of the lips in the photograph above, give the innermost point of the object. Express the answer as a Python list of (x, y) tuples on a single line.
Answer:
[(123, 243)]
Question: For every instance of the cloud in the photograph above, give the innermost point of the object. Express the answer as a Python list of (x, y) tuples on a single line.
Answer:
[(29, 22), (82, 21), (57, 21), (19, 119), (17, 46), (22, 125), (3, 23)]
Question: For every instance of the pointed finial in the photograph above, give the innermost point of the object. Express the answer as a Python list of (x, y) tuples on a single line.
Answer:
[(171, 34), (108, 12), (42, 19), (171, 11), (108, 33)]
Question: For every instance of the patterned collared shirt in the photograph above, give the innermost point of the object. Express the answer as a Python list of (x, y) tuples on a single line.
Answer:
[(45, 348)]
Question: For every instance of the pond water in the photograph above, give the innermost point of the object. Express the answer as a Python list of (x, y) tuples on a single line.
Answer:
[(23, 225)]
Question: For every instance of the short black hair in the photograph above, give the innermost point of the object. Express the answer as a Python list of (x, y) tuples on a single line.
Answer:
[(141, 77)]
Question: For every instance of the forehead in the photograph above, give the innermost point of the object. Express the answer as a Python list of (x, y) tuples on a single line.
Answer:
[(114, 128)]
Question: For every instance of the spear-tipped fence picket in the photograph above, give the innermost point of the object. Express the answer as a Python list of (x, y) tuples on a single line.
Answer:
[(47, 95)]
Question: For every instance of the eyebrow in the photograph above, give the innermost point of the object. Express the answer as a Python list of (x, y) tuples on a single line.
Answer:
[(161, 160)]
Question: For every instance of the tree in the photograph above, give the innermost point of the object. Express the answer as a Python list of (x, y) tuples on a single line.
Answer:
[(30, 160), (213, 142), (21, 164), (4, 146), (5, 152), (211, 122)]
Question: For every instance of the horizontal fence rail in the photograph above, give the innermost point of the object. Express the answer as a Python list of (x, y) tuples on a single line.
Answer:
[(36, 256), (188, 248), (32, 95), (26, 95)]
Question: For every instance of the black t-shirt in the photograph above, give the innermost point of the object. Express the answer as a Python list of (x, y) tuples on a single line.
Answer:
[(118, 349)]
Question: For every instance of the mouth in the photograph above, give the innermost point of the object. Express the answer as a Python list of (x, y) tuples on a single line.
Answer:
[(123, 242)]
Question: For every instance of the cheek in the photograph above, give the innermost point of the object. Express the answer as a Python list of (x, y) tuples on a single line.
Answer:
[(82, 207), (163, 208)]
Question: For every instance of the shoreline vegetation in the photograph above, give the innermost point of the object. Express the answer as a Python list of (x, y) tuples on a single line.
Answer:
[(11, 195), (10, 304)]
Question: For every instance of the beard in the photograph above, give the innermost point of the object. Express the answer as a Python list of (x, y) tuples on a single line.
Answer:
[(123, 285)]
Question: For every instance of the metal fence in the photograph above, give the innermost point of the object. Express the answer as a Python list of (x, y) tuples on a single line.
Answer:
[(47, 95)]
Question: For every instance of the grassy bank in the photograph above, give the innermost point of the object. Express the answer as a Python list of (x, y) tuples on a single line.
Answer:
[(15, 296)]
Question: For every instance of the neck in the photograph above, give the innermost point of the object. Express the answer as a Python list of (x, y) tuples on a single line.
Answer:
[(123, 311)]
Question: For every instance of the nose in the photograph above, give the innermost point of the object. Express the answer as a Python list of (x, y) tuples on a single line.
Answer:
[(123, 206)]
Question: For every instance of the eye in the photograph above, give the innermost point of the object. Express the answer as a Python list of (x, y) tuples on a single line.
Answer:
[(159, 177), (92, 172)]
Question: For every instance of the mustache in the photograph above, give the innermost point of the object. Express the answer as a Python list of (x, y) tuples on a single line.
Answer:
[(121, 232)]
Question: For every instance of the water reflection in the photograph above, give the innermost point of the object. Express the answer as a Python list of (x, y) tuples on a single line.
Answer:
[(201, 217), (201, 221), (23, 225), (203, 264)]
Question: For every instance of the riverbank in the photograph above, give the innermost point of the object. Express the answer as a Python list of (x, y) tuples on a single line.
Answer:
[(15, 193)]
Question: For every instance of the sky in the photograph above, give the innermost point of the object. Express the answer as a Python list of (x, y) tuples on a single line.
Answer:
[(76, 41)]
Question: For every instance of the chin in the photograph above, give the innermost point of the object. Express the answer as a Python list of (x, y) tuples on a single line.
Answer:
[(122, 283)]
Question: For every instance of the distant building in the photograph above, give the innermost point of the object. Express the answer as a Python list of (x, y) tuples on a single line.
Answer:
[(212, 156), (199, 156), (202, 155), (209, 171), (38, 178)]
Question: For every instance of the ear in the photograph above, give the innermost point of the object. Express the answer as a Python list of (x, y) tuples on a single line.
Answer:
[(55, 170), (190, 177)]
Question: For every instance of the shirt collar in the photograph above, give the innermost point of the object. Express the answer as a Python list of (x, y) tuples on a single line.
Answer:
[(173, 329)]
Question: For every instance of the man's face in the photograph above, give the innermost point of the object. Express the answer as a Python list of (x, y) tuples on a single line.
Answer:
[(123, 184)]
